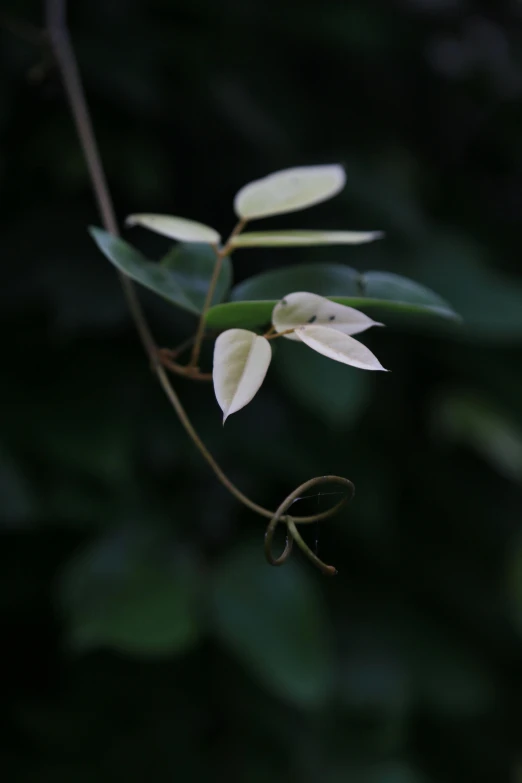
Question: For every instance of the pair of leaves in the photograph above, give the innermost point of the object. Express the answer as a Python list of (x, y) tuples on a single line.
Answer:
[(242, 358), (285, 191), (181, 278), (184, 230), (377, 293)]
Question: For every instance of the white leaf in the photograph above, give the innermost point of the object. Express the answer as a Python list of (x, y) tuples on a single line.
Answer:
[(241, 360), (301, 309), (338, 346), (176, 228), (289, 191), (302, 238)]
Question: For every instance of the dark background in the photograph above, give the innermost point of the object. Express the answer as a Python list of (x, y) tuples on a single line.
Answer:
[(145, 637)]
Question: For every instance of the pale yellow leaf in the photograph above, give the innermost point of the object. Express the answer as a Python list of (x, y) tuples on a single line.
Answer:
[(301, 309), (339, 347), (176, 228), (302, 238), (241, 361), (289, 191)]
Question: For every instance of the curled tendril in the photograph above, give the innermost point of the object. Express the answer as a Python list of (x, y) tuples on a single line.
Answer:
[(292, 522)]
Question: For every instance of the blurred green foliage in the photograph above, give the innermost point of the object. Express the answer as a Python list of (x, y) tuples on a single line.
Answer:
[(145, 636)]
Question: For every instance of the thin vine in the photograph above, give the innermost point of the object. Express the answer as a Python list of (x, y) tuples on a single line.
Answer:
[(162, 359)]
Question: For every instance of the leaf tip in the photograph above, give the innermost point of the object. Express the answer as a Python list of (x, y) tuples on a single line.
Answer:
[(93, 231)]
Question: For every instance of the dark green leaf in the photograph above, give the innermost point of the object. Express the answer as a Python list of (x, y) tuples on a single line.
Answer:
[(130, 262), (388, 286), (378, 294), (274, 621), (193, 264), (122, 593), (258, 313), (322, 279), (246, 315)]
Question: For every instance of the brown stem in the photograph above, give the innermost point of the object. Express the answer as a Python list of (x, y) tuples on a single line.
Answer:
[(273, 335), (291, 522), (220, 255), (196, 350), (187, 371)]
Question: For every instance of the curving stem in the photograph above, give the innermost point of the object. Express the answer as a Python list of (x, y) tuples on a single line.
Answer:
[(292, 522)]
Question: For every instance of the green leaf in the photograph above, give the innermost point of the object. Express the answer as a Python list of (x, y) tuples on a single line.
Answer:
[(334, 393), (388, 286), (376, 293), (323, 279), (250, 315), (181, 278), (193, 264), (124, 594), (133, 264), (274, 621)]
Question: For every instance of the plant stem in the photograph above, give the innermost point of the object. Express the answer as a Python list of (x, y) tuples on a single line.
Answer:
[(187, 371), (220, 255), (273, 335), (198, 341)]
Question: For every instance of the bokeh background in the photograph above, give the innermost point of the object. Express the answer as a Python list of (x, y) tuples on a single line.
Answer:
[(145, 637)]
